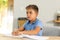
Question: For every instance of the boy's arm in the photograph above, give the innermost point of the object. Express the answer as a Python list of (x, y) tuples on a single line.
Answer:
[(33, 32)]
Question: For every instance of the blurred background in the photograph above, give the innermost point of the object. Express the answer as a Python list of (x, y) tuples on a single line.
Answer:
[(6, 16)]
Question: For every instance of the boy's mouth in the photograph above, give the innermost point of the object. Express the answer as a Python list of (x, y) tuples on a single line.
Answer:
[(28, 17)]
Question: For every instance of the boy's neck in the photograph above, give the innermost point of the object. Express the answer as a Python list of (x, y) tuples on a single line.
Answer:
[(31, 21)]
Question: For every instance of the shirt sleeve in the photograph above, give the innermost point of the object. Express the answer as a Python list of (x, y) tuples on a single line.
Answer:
[(40, 24)]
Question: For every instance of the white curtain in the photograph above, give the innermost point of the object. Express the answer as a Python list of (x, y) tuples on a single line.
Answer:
[(7, 22)]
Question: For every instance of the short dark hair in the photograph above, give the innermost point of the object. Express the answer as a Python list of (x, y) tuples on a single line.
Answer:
[(34, 7)]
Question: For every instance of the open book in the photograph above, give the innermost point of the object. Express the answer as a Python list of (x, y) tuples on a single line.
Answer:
[(28, 37)]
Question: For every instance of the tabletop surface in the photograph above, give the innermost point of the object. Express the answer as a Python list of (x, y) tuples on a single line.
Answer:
[(2, 37)]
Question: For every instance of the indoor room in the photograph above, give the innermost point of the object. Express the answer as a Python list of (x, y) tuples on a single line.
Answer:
[(15, 19)]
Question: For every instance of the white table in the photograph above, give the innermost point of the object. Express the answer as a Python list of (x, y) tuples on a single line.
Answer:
[(2, 37)]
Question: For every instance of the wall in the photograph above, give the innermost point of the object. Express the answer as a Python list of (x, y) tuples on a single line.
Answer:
[(47, 10)]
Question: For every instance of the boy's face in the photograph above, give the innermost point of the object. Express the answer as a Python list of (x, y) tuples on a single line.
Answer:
[(31, 14)]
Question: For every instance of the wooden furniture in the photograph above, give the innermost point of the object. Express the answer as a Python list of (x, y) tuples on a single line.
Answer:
[(54, 38), (21, 21), (2, 37), (57, 21)]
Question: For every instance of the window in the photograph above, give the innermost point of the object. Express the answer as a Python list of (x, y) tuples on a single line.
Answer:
[(3, 9), (6, 16)]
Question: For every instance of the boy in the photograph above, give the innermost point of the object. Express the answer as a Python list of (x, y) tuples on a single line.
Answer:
[(33, 26)]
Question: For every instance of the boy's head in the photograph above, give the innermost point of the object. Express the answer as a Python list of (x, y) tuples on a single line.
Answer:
[(32, 12)]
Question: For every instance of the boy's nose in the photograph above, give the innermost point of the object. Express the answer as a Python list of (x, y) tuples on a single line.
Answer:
[(28, 15)]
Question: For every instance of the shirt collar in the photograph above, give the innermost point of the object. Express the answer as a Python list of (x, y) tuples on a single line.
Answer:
[(33, 22)]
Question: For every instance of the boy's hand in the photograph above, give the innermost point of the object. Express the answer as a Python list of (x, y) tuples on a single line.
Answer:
[(16, 33)]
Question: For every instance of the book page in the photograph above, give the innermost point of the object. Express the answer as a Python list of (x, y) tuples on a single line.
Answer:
[(33, 37)]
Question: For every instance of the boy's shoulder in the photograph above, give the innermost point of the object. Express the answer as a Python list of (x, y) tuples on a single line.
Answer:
[(38, 21)]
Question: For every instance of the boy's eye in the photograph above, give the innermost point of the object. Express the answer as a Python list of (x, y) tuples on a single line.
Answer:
[(27, 12), (30, 12)]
